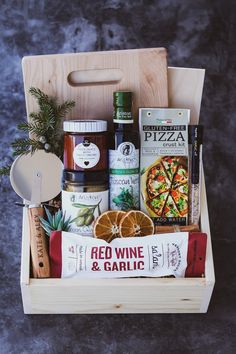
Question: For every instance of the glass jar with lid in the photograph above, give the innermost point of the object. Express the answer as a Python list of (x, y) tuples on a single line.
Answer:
[(85, 196), (85, 145)]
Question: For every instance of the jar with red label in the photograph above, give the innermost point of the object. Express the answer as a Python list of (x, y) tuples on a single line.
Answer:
[(85, 145)]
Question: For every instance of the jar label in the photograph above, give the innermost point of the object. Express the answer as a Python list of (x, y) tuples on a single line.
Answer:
[(83, 209), (86, 154), (124, 177)]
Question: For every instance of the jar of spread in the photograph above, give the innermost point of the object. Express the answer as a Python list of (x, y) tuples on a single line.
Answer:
[(85, 196), (85, 145)]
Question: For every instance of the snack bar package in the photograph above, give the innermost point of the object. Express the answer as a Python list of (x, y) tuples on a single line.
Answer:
[(179, 254), (164, 164)]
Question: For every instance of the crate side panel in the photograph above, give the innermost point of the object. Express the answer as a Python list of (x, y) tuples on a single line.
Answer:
[(26, 298), (25, 250), (207, 297), (205, 227), (116, 299)]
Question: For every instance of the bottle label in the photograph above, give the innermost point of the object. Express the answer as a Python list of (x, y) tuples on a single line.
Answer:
[(86, 155), (83, 209), (121, 116), (124, 177)]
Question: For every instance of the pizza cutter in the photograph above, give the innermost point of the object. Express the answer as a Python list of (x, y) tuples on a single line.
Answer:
[(37, 178)]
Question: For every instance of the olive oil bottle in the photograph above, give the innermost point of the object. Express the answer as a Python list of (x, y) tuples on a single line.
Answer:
[(124, 155)]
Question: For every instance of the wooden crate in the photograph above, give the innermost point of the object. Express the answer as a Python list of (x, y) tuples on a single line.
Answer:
[(138, 295)]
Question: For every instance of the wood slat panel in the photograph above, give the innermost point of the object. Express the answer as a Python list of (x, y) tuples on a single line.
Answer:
[(149, 295), (144, 72)]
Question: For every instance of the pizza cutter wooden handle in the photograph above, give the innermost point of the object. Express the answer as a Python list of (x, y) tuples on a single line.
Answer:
[(38, 245)]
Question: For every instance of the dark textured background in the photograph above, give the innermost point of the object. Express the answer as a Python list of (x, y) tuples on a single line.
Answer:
[(196, 34)]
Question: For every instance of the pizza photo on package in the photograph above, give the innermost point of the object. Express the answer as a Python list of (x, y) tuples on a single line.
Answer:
[(164, 190)]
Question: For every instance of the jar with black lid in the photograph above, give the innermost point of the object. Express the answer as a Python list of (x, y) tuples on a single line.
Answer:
[(85, 196)]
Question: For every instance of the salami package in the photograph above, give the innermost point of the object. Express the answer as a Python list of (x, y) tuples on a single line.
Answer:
[(179, 254)]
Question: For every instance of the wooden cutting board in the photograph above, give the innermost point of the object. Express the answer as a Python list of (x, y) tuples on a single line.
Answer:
[(90, 79), (185, 87)]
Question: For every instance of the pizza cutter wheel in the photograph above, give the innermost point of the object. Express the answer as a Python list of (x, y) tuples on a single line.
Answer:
[(37, 178)]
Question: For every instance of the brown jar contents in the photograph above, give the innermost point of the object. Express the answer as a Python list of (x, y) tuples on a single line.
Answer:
[(85, 145)]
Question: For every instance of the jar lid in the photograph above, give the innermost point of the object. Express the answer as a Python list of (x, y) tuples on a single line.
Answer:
[(85, 126), (96, 178)]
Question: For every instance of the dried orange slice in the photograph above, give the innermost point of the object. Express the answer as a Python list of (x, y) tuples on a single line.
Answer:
[(106, 226), (136, 223)]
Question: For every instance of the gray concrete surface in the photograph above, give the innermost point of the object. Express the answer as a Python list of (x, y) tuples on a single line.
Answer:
[(196, 34)]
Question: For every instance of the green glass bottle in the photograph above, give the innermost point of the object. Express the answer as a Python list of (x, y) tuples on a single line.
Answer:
[(124, 155)]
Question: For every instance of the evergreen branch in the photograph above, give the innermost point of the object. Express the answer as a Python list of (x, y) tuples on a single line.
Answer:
[(48, 106), (5, 171), (38, 94), (25, 146), (35, 117), (24, 126), (20, 143), (34, 128), (49, 102), (43, 99), (45, 125), (44, 120), (48, 116), (65, 108)]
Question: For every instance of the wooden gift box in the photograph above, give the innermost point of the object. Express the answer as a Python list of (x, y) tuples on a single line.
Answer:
[(128, 295)]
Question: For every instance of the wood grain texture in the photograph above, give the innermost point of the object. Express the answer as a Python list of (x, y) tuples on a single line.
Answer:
[(138, 295), (149, 295), (38, 245), (144, 73), (175, 228), (185, 90), (209, 267), (142, 295), (25, 249)]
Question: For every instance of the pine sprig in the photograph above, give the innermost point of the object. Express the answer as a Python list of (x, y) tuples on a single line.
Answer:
[(25, 146), (37, 93), (63, 109), (4, 171), (33, 128), (44, 127)]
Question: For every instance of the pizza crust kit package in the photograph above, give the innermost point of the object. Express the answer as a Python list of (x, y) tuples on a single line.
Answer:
[(177, 254), (164, 164)]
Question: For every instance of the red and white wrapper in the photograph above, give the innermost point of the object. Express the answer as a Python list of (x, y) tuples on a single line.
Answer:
[(180, 254)]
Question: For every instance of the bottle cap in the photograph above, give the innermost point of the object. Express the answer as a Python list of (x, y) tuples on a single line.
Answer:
[(86, 177), (122, 99), (85, 126)]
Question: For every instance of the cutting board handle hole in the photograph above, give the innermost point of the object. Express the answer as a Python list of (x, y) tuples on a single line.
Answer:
[(95, 77)]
